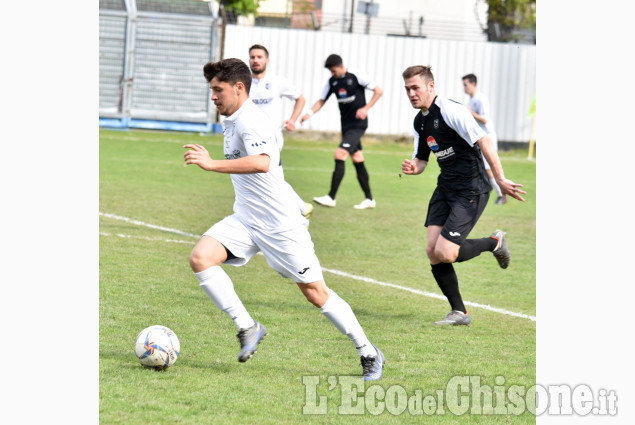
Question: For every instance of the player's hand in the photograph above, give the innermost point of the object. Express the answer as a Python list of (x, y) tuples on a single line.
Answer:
[(198, 155), (408, 166), (289, 125), (510, 188), (304, 118), (361, 113)]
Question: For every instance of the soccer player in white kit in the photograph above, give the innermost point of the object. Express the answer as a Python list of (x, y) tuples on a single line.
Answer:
[(479, 107), (265, 219), (267, 91)]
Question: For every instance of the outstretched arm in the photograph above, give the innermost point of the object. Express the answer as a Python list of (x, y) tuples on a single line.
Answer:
[(318, 105), (250, 164), (508, 187)]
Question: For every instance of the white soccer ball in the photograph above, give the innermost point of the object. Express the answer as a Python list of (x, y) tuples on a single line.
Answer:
[(157, 347)]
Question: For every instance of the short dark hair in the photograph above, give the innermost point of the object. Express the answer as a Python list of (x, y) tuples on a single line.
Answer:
[(333, 60), (424, 71), (228, 70), (260, 47), (470, 77)]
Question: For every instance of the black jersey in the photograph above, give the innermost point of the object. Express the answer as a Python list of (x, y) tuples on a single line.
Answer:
[(450, 131), (349, 91)]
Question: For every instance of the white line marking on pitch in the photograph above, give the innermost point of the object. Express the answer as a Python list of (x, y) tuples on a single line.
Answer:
[(428, 294), (338, 272), (151, 226), (145, 238)]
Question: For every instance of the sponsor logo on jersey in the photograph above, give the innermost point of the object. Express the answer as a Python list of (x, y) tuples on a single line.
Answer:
[(268, 86), (432, 144), (334, 83), (264, 101), (234, 155), (346, 145), (346, 99), (304, 271), (435, 124), (455, 234), (349, 81), (341, 92), (442, 154)]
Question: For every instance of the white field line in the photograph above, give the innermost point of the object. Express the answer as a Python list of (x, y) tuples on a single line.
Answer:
[(151, 226), (145, 238), (428, 294), (333, 271)]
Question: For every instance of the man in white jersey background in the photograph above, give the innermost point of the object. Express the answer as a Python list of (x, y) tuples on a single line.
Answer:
[(448, 130), (267, 92), (479, 107), (265, 219), (349, 89)]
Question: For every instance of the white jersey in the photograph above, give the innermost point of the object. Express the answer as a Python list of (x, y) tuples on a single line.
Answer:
[(480, 104), (267, 94), (263, 200)]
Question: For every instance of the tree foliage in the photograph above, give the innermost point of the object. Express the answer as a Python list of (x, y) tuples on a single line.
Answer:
[(506, 17), (241, 7)]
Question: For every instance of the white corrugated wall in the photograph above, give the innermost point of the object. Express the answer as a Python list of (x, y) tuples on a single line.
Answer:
[(506, 73)]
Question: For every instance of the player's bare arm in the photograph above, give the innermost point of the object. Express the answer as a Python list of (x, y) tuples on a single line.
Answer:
[(297, 109), (362, 113), (316, 107), (477, 117), (413, 166), (507, 186), (251, 164)]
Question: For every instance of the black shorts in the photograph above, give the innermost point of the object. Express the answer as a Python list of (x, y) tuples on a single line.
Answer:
[(456, 212), (352, 139)]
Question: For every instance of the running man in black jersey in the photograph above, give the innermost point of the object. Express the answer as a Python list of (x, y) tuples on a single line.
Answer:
[(349, 91), (448, 129)]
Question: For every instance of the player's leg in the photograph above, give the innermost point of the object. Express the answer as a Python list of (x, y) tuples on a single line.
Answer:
[(339, 156), (496, 243), (438, 250), (340, 313), (353, 144), (364, 181), (205, 260), (444, 273), (292, 255)]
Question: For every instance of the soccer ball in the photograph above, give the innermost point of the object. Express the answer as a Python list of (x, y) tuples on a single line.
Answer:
[(157, 347)]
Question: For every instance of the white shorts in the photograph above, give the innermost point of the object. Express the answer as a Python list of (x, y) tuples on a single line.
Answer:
[(290, 253), (494, 139)]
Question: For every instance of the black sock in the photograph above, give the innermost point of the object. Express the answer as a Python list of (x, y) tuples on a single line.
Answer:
[(471, 248), (362, 177), (446, 278), (338, 175)]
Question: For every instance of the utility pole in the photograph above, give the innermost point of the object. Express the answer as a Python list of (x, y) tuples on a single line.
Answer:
[(368, 8), (350, 28)]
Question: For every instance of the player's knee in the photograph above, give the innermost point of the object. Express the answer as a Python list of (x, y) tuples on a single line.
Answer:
[(430, 251), (199, 261), (317, 297), (445, 255)]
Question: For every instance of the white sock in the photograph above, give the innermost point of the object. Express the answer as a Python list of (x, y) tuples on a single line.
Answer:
[(495, 186), (339, 312), (219, 287)]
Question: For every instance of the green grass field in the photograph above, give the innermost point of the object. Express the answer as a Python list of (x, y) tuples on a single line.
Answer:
[(145, 279)]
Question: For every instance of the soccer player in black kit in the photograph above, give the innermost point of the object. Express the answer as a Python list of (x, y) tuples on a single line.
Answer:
[(349, 90), (447, 129)]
